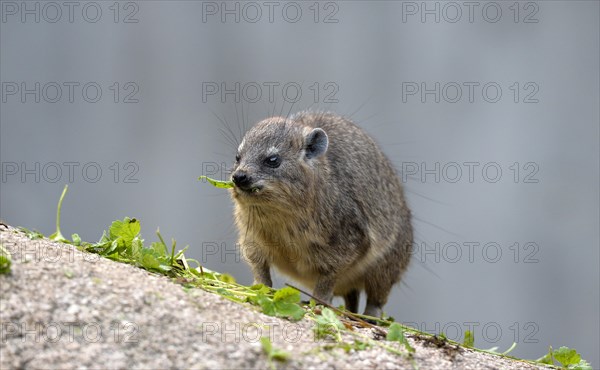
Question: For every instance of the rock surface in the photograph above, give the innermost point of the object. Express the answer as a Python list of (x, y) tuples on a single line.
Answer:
[(64, 309)]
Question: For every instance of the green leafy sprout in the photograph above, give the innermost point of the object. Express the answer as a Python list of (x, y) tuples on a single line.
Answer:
[(567, 358), (31, 234), (396, 334), (284, 302), (57, 236), (469, 340), (5, 260), (123, 242), (272, 352), (328, 324)]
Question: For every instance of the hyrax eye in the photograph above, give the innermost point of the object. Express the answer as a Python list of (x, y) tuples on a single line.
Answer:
[(273, 161), (237, 157)]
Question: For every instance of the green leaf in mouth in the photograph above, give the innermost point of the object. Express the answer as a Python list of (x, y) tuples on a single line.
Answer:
[(217, 183)]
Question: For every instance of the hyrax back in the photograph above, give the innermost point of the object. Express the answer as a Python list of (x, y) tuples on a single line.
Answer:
[(316, 198)]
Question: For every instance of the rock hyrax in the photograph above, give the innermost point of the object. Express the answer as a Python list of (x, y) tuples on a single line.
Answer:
[(316, 198)]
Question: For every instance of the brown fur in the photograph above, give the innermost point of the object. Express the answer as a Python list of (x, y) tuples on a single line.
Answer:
[(337, 221)]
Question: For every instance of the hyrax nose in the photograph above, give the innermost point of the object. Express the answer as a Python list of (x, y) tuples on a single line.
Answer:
[(241, 179)]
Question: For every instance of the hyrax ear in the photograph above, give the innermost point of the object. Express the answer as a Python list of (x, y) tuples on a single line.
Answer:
[(316, 143)]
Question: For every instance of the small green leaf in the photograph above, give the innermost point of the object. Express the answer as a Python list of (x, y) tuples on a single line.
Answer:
[(547, 359), (226, 278), (469, 340), (292, 310), (567, 356), (76, 239), (31, 234), (112, 247), (281, 305), (260, 288), (328, 324), (288, 295), (217, 183), (127, 230), (5, 260), (136, 248), (165, 268), (396, 334), (360, 345), (58, 237), (582, 365), (104, 238), (266, 345), (159, 248), (267, 305), (149, 262), (331, 317), (357, 345), (271, 352)]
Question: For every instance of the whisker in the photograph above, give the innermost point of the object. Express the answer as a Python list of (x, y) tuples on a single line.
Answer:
[(243, 128), (403, 282), (351, 116), (274, 108), (364, 120), (282, 105), (425, 197), (238, 118), (227, 134), (436, 226), (228, 127), (230, 141), (292, 105)]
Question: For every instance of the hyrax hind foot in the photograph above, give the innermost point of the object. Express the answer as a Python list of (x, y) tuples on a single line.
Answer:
[(351, 300), (374, 310), (324, 288)]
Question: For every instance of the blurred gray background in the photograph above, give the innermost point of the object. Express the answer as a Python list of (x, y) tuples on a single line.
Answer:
[(513, 255)]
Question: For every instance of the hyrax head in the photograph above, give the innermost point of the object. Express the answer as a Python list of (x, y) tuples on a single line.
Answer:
[(277, 161)]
